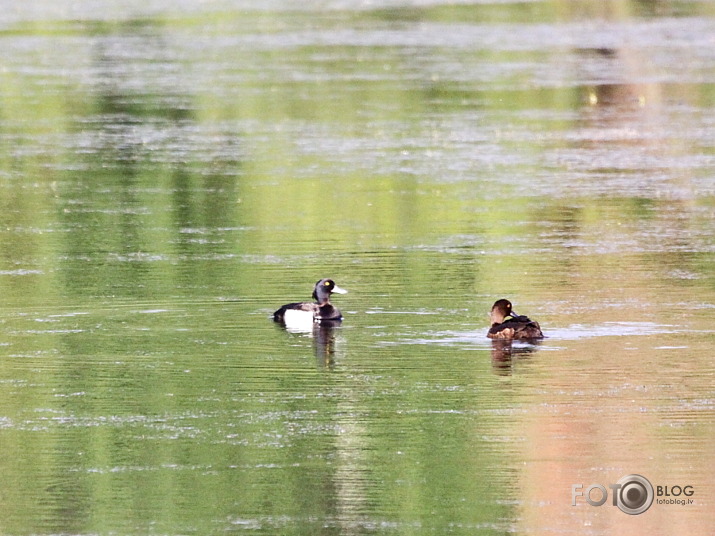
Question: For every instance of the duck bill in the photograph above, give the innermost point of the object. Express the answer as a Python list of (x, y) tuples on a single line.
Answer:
[(338, 290)]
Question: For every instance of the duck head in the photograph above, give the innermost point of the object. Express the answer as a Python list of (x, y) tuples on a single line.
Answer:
[(500, 310), (324, 288)]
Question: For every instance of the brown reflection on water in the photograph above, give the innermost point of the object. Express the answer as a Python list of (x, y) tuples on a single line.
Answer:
[(606, 407), (505, 355), (609, 408)]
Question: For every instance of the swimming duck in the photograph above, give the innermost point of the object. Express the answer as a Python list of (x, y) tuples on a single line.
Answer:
[(307, 313), (506, 324)]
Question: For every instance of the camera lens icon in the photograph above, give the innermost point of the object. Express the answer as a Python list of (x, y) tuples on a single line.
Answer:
[(635, 494)]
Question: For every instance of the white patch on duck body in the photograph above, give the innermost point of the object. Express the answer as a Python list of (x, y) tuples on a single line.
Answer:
[(299, 319)]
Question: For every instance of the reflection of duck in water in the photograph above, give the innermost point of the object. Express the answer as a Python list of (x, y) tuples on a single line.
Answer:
[(305, 314), (323, 334), (506, 324), (505, 354), (324, 343)]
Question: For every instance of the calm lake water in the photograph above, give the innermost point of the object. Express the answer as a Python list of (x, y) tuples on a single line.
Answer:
[(172, 172)]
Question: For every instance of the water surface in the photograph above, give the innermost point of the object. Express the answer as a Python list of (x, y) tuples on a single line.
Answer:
[(170, 175)]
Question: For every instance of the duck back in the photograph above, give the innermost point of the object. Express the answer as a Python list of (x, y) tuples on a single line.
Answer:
[(517, 327)]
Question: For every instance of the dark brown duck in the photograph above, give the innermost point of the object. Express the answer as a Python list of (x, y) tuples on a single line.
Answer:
[(506, 324)]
